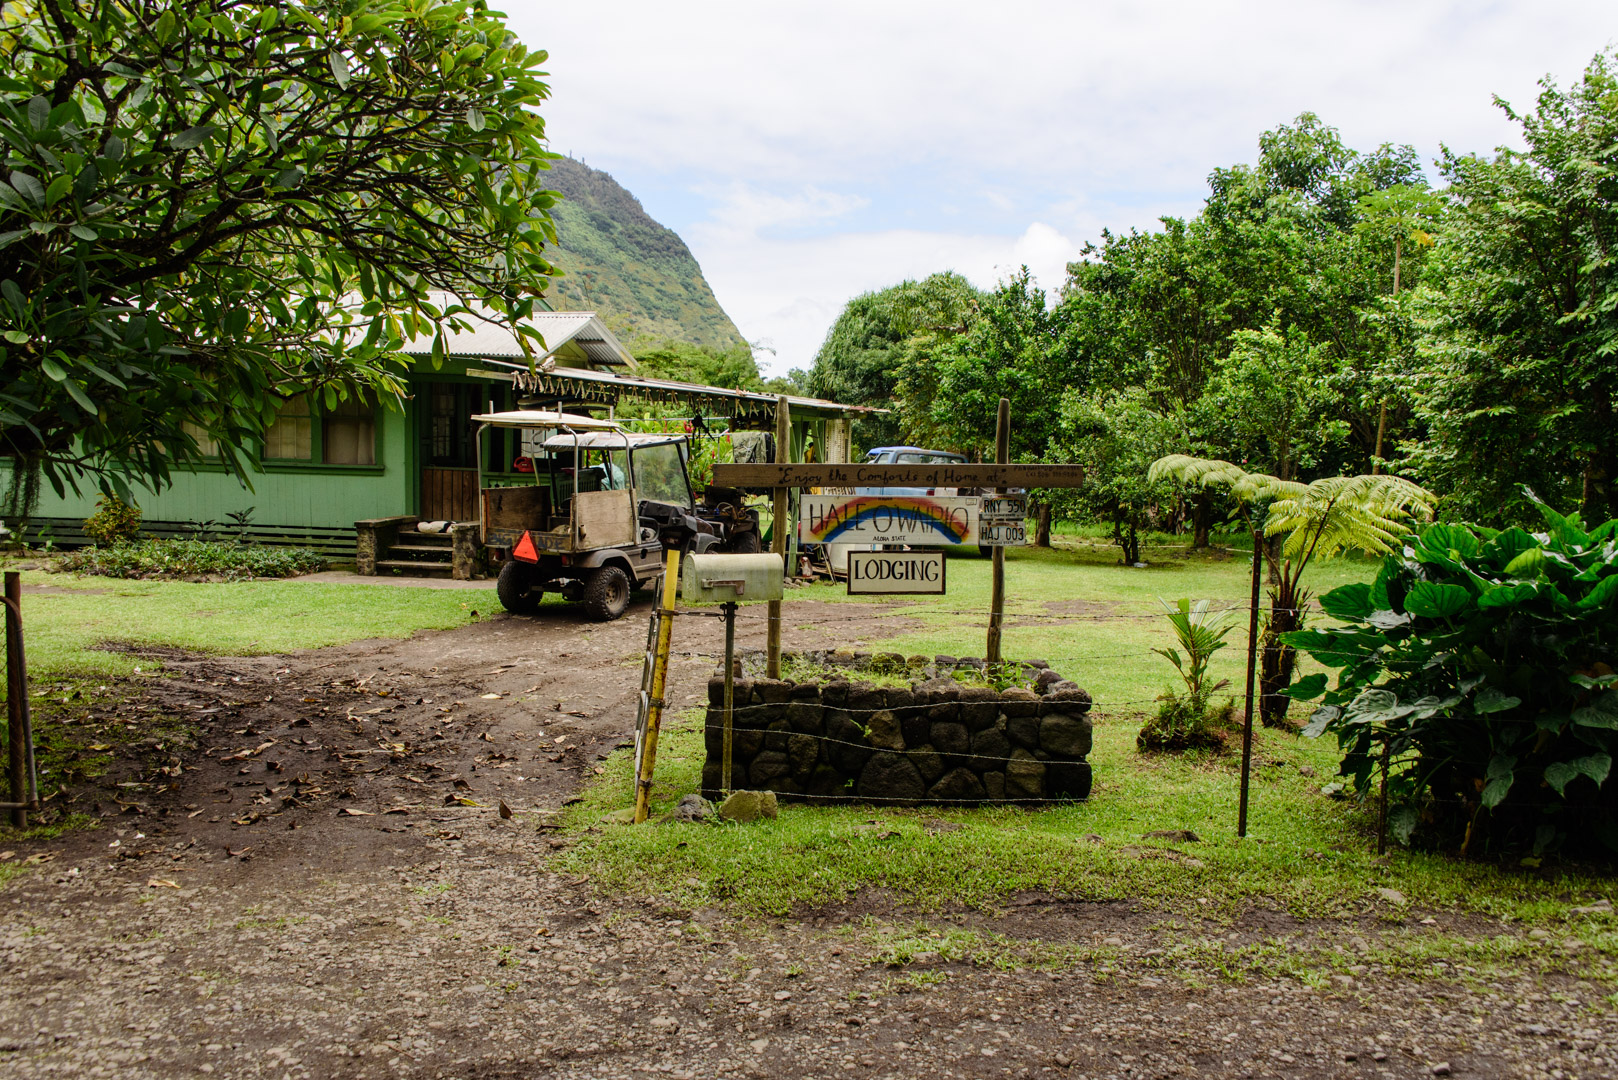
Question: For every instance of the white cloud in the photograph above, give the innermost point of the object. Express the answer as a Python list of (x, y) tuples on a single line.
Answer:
[(820, 146), (796, 288)]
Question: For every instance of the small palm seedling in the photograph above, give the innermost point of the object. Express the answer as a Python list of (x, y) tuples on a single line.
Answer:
[(1184, 722)]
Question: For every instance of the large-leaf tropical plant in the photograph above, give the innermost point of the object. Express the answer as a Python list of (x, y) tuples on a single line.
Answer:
[(1321, 520), (208, 208)]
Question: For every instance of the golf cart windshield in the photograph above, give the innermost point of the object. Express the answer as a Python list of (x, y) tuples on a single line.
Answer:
[(660, 473)]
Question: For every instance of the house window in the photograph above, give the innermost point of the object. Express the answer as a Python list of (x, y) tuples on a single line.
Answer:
[(291, 437), (305, 431), (207, 445), (448, 438), (349, 432)]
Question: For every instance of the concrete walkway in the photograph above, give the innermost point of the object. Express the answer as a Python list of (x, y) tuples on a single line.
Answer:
[(348, 577)]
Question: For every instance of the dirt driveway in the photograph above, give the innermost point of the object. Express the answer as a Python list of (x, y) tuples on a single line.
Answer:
[(306, 893)]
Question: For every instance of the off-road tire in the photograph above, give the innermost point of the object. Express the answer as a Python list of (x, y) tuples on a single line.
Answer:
[(606, 594), (515, 588), (745, 543)]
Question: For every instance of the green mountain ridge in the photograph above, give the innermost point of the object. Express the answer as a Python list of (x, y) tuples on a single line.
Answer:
[(619, 262)]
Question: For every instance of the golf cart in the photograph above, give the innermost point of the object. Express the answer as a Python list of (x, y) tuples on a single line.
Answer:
[(603, 506)]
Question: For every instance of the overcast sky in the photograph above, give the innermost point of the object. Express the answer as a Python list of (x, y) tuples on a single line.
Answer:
[(811, 152)]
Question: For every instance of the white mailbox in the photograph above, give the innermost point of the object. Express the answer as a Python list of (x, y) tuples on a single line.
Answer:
[(722, 579)]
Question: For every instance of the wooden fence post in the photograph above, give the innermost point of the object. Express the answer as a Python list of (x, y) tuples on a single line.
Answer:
[(997, 591), (24, 785), (778, 531)]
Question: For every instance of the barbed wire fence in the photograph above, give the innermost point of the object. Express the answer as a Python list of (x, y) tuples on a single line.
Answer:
[(1070, 666)]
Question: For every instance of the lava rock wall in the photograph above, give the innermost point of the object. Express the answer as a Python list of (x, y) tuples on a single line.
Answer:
[(938, 740)]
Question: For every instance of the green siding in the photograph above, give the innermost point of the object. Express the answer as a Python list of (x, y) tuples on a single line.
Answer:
[(330, 496)]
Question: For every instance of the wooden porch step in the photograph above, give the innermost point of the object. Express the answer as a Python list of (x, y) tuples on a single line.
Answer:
[(414, 566), (437, 540)]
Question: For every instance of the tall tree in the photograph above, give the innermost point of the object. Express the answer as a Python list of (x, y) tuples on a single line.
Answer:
[(1521, 357), (867, 348), (208, 207)]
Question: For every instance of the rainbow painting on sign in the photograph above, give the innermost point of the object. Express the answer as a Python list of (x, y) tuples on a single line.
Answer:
[(916, 520)]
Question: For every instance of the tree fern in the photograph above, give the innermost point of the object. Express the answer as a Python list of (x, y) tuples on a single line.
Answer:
[(1322, 519), (1340, 513)]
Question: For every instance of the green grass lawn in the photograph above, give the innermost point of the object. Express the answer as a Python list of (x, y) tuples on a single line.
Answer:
[(1307, 853), (65, 625)]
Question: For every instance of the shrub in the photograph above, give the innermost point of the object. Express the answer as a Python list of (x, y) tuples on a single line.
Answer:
[(114, 521), (1183, 721), (1478, 670), (192, 558)]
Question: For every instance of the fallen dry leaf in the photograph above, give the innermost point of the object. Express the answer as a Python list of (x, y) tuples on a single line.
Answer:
[(490, 697), (505, 811), (397, 810), (351, 812), (161, 883), (4, 855), (40, 857)]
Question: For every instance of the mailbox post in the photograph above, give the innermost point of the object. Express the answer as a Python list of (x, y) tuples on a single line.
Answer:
[(728, 580)]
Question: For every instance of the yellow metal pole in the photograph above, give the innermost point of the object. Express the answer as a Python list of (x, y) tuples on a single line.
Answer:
[(778, 531), (660, 678)]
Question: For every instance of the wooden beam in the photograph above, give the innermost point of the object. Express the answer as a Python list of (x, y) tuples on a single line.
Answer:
[(924, 476)]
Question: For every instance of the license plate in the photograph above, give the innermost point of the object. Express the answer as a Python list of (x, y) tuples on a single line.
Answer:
[(998, 535), (1004, 506)]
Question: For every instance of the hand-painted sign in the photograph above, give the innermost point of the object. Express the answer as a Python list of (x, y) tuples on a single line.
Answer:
[(917, 520), (922, 476), (891, 572)]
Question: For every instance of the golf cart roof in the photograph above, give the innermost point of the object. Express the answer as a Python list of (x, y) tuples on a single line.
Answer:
[(544, 418), (609, 440)]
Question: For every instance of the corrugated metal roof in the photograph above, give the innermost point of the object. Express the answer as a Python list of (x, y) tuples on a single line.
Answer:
[(488, 336), (607, 387)]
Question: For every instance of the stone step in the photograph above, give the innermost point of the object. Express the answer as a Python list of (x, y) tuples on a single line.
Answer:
[(443, 540), (434, 551), (414, 566)]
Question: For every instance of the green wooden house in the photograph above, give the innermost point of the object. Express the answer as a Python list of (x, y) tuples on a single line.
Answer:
[(324, 470)]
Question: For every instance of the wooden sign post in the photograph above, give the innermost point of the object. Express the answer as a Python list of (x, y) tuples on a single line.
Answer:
[(997, 588), (861, 475), (1000, 476), (778, 529)]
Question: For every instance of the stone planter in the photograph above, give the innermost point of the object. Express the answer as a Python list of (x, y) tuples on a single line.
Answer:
[(936, 740)]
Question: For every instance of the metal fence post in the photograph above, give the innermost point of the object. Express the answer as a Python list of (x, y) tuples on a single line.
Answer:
[(730, 689), (1252, 661)]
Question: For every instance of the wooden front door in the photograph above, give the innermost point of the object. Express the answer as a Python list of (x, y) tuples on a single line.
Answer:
[(449, 494), (449, 480)]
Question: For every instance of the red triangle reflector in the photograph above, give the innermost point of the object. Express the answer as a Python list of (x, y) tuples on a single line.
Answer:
[(525, 549)]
